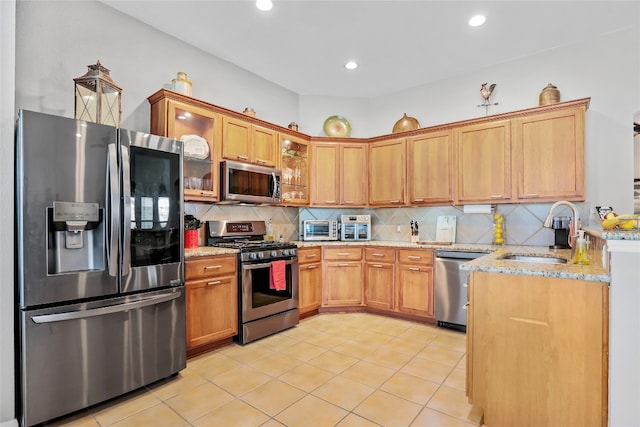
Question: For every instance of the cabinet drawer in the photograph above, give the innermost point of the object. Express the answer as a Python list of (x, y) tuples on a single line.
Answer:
[(307, 255), (344, 253), (203, 267), (380, 254), (415, 256)]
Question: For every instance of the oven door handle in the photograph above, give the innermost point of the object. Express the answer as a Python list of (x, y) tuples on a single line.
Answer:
[(246, 266)]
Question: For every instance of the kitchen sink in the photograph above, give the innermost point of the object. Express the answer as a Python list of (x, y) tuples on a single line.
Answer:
[(533, 258)]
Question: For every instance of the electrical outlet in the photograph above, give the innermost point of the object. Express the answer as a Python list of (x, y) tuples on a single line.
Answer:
[(399, 228)]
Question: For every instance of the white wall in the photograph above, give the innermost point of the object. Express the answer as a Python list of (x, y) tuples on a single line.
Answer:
[(7, 89), (55, 48)]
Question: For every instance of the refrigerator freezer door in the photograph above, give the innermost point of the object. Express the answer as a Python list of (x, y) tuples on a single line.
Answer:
[(61, 160), (83, 354)]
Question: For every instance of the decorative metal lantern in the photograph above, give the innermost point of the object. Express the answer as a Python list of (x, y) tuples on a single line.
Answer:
[(98, 98)]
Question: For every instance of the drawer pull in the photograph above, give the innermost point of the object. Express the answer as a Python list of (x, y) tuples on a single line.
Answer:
[(243, 157), (311, 267), (329, 201), (343, 265), (528, 196), (261, 161), (343, 253), (311, 255), (212, 267), (377, 255), (414, 268), (215, 282), (418, 200), (414, 257), (496, 196), (395, 201), (377, 265)]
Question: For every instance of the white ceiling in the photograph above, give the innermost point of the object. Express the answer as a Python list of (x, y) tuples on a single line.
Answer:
[(302, 45)]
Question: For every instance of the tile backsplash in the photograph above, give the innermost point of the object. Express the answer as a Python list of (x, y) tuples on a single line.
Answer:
[(523, 222)]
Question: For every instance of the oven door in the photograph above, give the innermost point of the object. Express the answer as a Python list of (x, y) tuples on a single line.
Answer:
[(258, 299)]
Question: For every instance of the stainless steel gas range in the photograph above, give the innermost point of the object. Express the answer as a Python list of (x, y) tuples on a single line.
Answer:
[(267, 278)]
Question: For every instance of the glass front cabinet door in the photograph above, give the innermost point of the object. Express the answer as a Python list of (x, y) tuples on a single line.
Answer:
[(199, 130), (295, 171)]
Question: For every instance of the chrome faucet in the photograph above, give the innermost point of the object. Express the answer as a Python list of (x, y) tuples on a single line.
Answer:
[(548, 221), (576, 217)]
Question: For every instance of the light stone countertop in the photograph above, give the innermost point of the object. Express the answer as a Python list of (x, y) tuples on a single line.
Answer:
[(488, 263), (614, 234)]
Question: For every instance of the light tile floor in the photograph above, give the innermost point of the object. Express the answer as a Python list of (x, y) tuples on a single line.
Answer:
[(342, 370)]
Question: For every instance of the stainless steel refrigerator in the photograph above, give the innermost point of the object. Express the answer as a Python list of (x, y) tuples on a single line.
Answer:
[(100, 266)]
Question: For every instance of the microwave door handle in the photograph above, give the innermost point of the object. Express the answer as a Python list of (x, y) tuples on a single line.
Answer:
[(113, 205), (275, 185), (126, 211)]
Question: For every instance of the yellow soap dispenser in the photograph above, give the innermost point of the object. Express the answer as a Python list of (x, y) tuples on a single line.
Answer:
[(581, 256)]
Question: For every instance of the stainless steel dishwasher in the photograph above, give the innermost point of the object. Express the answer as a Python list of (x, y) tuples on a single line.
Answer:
[(451, 287)]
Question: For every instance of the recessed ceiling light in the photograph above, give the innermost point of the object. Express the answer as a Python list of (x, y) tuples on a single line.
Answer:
[(477, 20), (351, 65), (264, 4)]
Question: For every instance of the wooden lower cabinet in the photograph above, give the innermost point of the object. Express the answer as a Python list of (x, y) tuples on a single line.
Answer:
[(309, 279), (537, 350), (414, 283), (211, 301), (343, 276), (380, 271)]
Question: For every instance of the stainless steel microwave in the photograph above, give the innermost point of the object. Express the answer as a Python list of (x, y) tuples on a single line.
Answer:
[(248, 183), (320, 229)]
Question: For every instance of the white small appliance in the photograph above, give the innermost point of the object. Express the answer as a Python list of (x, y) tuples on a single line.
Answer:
[(446, 228)]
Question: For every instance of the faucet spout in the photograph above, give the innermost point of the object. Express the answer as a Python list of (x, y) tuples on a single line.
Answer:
[(576, 217)]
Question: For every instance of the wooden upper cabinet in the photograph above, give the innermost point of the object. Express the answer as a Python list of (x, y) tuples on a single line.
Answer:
[(430, 168), (353, 174), (387, 167), (247, 142), (294, 163), (340, 174), (483, 163), (181, 117), (548, 156), (325, 165)]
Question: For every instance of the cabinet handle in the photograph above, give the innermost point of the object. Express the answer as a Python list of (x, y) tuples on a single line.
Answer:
[(212, 267), (329, 201), (528, 196), (377, 255), (216, 282), (349, 202), (496, 196), (311, 267), (414, 268), (377, 265), (343, 253), (394, 201), (414, 257), (243, 157), (343, 265), (418, 200), (261, 161), (311, 255)]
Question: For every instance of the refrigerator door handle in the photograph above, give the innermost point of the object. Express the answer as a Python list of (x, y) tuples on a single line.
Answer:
[(113, 212), (126, 211), (83, 314)]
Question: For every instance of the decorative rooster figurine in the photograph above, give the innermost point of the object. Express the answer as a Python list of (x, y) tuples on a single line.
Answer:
[(486, 93)]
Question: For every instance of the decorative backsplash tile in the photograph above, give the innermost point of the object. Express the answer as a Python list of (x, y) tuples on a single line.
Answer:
[(523, 223)]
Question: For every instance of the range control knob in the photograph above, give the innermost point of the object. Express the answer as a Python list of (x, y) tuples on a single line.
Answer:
[(292, 252), (274, 254), (252, 256), (285, 252), (260, 255)]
